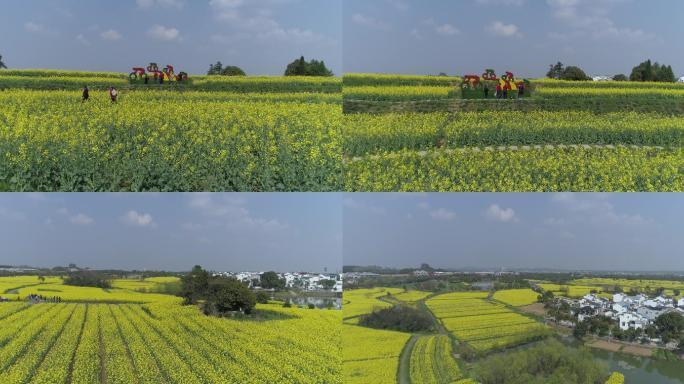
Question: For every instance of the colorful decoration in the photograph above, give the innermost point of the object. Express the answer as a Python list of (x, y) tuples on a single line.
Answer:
[(489, 86), (152, 74)]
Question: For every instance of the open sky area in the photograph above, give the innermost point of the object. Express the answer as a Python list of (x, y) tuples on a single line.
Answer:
[(608, 232), (260, 36), (173, 232), (604, 37)]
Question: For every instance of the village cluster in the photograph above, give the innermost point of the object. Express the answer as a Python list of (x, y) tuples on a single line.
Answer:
[(296, 280), (630, 312)]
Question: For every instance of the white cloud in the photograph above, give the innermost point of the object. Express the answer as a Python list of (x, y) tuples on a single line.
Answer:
[(447, 30), (351, 203), (597, 208), (81, 219), (232, 212), (398, 4), (369, 21), (500, 29), (39, 29), (591, 18), (177, 4), (34, 27), (504, 215), (82, 39), (255, 20), (138, 219), (443, 214), (159, 32), (111, 35)]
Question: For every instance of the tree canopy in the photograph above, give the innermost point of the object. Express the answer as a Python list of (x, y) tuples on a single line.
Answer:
[(648, 71), (87, 279), (270, 280), (218, 294), (572, 73), (229, 70), (301, 67)]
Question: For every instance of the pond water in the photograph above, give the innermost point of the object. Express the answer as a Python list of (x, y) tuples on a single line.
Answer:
[(642, 369), (318, 302)]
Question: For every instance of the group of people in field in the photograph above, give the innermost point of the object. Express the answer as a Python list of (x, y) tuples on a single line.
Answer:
[(113, 94), (43, 299), (505, 91)]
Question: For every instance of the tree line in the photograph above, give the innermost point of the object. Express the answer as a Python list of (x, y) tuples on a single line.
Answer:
[(299, 67), (646, 71)]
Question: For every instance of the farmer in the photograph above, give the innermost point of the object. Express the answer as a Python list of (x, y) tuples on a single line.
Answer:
[(147, 79), (86, 94), (113, 94), (498, 90), (521, 90), (486, 91), (161, 79)]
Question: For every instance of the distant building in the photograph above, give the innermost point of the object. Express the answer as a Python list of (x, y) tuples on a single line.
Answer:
[(631, 320), (420, 272), (602, 78), (681, 80)]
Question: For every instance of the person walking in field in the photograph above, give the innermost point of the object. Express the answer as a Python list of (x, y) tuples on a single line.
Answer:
[(86, 94), (486, 91), (498, 91), (113, 94)]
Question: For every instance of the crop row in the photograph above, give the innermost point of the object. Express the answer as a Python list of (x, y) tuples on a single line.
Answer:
[(432, 361), (543, 170), (364, 133), (367, 79), (62, 343), (371, 355), (485, 329), (139, 145), (516, 297), (218, 83), (402, 93)]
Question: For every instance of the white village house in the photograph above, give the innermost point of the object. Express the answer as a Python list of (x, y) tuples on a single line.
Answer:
[(631, 312), (681, 80)]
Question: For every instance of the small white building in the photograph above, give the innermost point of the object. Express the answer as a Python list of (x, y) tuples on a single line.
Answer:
[(630, 320), (681, 80), (602, 78), (421, 273)]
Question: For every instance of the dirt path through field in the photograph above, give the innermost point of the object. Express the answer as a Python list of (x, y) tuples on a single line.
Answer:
[(404, 371), (620, 347)]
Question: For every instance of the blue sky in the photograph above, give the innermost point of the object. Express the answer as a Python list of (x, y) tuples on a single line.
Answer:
[(260, 36), (259, 231), (630, 231), (604, 37)]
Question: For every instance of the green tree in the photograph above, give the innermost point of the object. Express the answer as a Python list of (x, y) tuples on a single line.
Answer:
[(581, 329), (2, 63), (670, 326), (270, 280), (301, 67), (620, 77), (648, 71), (194, 285), (555, 71), (232, 70), (227, 294), (215, 69), (262, 297), (573, 73), (328, 284)]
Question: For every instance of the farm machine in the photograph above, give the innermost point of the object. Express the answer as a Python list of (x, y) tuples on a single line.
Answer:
[(153, 75), (489, 86)]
